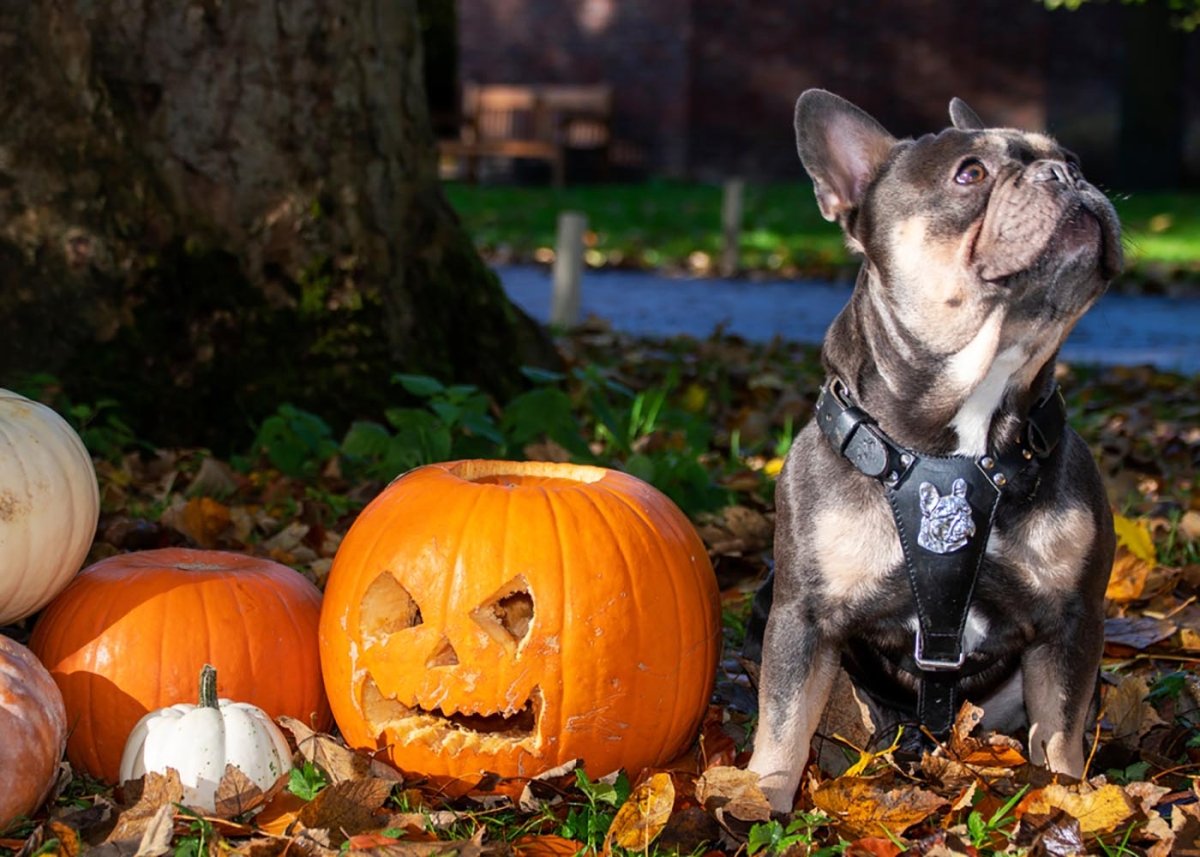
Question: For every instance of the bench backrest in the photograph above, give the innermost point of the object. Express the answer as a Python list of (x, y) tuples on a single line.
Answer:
[(573, 114)]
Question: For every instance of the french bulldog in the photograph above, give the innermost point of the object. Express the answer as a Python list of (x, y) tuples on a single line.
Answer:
[(940, 534)]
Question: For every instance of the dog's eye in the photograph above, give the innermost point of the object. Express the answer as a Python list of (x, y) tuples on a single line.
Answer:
[(971, 172)]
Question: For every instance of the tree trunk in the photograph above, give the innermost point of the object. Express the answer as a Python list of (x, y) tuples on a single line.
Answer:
[(208, 209)]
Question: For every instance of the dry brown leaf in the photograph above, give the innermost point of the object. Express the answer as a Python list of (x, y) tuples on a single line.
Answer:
[(348, 807), (1056, 834), (148, 794), (333, 757), (1098, 810), (735, 791), (986, 752), (201, 519), (643, 815), (546, 846), (862, 807), (279, 813), (1127, 581), (156, 840), (1126, 708), (472, 847), (238, 794)]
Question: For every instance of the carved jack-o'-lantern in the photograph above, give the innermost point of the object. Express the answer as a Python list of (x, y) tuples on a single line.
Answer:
[(508, 617)]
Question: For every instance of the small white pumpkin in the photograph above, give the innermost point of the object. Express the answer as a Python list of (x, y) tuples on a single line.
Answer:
[(198, 741), (49, 505)]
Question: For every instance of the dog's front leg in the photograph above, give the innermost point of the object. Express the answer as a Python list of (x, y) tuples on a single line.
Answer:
[(1059, 678), (798, 668)]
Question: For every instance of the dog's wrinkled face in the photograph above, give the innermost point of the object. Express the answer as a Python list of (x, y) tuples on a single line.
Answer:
[(983, 246), (979, 221)]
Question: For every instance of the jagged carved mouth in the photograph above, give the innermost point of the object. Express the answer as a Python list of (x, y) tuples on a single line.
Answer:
[(459, 728)]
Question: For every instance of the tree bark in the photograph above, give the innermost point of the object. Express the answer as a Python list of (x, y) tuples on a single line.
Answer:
[(210, 208)]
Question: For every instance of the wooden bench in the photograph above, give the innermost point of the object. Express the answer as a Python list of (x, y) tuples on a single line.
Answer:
[(538, 122)]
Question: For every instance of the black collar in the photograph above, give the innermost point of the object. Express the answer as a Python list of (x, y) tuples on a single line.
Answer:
[(853, 433), (944, 508)]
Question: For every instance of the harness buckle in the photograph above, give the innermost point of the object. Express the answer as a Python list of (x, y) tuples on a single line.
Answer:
[(936, 664)]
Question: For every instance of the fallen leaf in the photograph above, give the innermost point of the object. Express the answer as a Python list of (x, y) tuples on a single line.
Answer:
[(201, 519), (873, 846), (862, 807), (643, 815), (735, 791), (338, 761), (156, 840), (347, 808), (1127, 580), (1055, 833), (237, 794), (1134, 534), (148, 794), (1098, 810), (546, 846), (279, 813), (1137, 632), (1126, 709), (472, 847)]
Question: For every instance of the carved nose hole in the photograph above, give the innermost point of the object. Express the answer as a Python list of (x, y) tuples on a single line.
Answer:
[(387, 607), (443, 656), (508, 614)]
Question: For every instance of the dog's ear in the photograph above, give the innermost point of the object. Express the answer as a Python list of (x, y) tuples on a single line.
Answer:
[(841, 147), (959, 488), (963, 117), (929, 496)]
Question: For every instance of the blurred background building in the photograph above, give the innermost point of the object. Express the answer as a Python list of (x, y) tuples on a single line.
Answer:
[(705, 88)]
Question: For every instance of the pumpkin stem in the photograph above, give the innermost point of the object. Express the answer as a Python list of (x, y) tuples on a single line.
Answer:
[(208, 686)]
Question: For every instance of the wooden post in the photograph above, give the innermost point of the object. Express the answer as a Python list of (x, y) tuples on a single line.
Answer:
[(568, 269), (731, 226)]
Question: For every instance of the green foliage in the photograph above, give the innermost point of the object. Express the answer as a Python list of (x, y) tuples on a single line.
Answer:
[(772, 837), (295, 441), (664, 224), (305, 781), (981, 831), (200, 836), (643, 432), (589, 821), (99, 424)]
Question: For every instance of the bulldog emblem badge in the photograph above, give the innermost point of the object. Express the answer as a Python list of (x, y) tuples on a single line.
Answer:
[(946, 523)]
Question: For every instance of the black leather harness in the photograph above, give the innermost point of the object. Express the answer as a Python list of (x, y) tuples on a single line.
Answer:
[(944, 508)]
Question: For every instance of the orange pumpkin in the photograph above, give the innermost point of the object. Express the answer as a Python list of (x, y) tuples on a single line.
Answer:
[(34, 729), (130, 633), (509, 617)]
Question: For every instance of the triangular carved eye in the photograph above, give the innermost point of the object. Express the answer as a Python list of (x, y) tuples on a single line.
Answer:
[(508, 614), (387, 607), (442, 656)]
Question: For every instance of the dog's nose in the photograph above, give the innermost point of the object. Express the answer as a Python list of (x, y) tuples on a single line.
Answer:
[(1055, 171)]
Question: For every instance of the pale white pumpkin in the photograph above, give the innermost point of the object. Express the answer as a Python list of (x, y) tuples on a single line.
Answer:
[(198, 741), (49, 505)]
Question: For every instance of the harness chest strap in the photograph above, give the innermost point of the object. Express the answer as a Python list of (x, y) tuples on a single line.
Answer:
[(944, 508)]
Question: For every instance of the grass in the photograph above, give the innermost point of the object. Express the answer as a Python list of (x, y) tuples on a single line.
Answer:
[(677, 225)]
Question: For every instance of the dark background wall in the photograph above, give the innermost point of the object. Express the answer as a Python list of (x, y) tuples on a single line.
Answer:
[(705, 88)]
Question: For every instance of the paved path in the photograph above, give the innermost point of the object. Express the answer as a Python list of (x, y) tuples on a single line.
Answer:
[(1119, 330)]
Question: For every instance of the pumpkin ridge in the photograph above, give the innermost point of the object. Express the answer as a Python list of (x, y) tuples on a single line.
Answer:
[(656, 545), (689, 540)]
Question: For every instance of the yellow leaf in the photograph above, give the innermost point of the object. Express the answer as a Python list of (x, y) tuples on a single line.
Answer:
[(695, 398), (862, 807), (866, 757), (772, 467), (1127, 580), (1134, 534), (1098, 811), (643, 815)]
